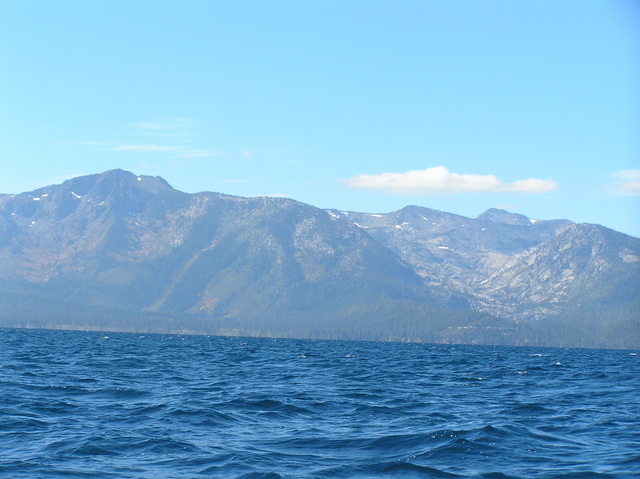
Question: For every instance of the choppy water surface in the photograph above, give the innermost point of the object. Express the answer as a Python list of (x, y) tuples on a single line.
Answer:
[(86, 404)]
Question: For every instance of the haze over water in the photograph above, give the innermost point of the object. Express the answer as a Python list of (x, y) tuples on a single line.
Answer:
[(87, 404)]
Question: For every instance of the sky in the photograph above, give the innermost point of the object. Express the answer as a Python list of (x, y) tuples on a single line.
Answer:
[(461, 106)]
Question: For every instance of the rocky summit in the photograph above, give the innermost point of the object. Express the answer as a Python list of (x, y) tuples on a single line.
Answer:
[(126, 252)]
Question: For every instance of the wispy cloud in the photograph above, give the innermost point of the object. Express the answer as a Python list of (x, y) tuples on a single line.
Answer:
[(628, 182), (170, 126), (144, 148), (439, 180), (169, 135)]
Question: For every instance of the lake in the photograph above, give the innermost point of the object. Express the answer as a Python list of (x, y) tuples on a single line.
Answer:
[(117, 405)]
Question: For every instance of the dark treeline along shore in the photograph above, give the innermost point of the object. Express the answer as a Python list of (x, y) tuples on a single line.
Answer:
[(116, 251)]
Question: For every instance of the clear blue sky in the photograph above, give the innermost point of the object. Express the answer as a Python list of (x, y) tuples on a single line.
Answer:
[(316, 100)]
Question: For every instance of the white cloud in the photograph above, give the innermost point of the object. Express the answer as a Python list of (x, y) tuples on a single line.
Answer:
[(144, 148), (629, 182), (149, 136), (440, 180)]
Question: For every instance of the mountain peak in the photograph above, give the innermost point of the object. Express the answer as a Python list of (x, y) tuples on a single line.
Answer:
[(111, 179), (496, 215), (216, 263), (143, 181)]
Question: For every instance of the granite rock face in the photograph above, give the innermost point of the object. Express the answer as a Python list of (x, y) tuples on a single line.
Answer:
[(277, 266), (506, 264), (126, 240)]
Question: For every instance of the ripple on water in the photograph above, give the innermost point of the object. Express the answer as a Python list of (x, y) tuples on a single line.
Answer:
[(78, 404)]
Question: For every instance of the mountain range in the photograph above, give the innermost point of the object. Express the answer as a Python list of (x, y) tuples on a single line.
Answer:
[(125, 252)]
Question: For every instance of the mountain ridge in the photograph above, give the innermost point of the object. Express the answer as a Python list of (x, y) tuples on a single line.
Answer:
[(270, 266)]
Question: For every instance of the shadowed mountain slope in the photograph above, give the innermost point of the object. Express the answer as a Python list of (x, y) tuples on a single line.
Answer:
[(260, 265), (118, 245)]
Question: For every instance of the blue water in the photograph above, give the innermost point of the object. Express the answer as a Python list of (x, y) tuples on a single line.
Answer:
[(87, 404)]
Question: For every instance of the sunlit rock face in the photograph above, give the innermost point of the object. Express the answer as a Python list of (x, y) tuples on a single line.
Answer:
[(133, 241), (509, 265), (120, 241)]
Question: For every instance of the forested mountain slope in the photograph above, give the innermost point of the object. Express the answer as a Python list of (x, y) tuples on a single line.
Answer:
[(126, 246)]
